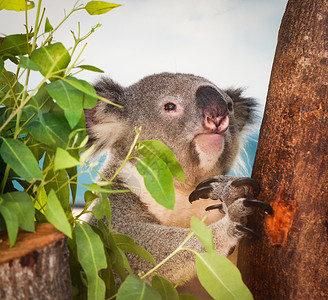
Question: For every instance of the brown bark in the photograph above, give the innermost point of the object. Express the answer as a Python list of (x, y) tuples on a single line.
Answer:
[(36, 267), (290, 260)]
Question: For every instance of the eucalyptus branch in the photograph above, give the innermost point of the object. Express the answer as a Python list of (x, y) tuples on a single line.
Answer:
[(180, 248), (127, 158)]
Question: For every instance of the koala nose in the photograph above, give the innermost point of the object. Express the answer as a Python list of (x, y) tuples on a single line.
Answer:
[(214, 109), (217, 124)]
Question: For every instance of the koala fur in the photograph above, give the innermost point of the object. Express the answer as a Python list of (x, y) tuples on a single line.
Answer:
[(203, 125)]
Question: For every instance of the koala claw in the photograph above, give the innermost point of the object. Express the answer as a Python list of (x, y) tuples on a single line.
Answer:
[(206, 183), (249, 232), (250, 182), (200, 192), (258, 203), (216, 206)]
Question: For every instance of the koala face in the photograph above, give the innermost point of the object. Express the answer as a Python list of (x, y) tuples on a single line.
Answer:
[(201, 123)]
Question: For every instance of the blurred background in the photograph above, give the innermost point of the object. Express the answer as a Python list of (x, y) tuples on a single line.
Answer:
[(229, 42)]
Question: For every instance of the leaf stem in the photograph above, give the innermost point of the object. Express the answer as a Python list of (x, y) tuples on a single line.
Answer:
[(127, 158), (180, 248)]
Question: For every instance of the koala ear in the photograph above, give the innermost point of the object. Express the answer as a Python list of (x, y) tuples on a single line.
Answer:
[(105, 122), (245, 108)]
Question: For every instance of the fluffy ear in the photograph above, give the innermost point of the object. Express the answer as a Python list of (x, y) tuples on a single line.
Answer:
[(105, 122), (244, 107)]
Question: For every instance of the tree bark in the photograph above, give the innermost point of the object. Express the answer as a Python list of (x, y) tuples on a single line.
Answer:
[(290, 260), (36, 267)]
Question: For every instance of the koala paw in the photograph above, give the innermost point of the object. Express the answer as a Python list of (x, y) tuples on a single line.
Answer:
[(237, 196)]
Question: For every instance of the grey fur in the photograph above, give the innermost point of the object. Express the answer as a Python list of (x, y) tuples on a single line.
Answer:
[(111, 128)]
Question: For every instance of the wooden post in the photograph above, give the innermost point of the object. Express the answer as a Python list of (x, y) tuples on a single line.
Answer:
[(290, 260), (36, 267)]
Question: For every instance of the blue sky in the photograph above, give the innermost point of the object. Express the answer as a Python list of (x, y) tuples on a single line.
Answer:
[(230, 42)]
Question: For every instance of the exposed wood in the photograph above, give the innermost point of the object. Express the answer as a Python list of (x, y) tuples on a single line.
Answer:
[(290, 261), (36, 267)]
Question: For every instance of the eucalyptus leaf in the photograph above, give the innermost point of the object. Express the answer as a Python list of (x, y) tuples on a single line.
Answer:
[(157, 148), (90, 68), (165, 288), (9, 87), (89, 93), (2, 65), (64, 160), (96, 188), (50, 129), (127, 244), (158, 180), (15, 44), (17, 5), (99, 7), (17, 209), (57, 180), (72, 95), (51, 59), (11, 221), (91, 255), (134, 288), (203, 233), (220, 277), (26, 63), (20, 158), (72, 174), (102, 208), (47, 26), (55, 214)]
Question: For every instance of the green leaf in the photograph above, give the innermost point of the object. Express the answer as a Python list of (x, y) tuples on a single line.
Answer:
[(117, 256), (89, 93), (63, 160), (17, 209), (47, 26), (127, 244), (72, 95), (58, 182), (99, 7), (96, 188), (9, 86), (102, 208), (203, 233), (41, 200), (89, 196), (157, 148), (51, 59), (165, 288), (134, 288), (158, 180), (90, 68), (17, 5), (15, 44), (55, 214), (2, 65), (50, 129), (26, 63), (20, 158), (11, 221), (91, 255), (220, 277), (72, 172)]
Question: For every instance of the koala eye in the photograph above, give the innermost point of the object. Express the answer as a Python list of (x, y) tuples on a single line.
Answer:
[(170, 106), (230, 107)]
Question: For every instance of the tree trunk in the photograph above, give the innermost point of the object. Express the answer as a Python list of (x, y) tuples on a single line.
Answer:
[(36, 267), (290, 260)]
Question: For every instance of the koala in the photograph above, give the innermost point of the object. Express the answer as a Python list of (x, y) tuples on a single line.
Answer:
[(204, 127)]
